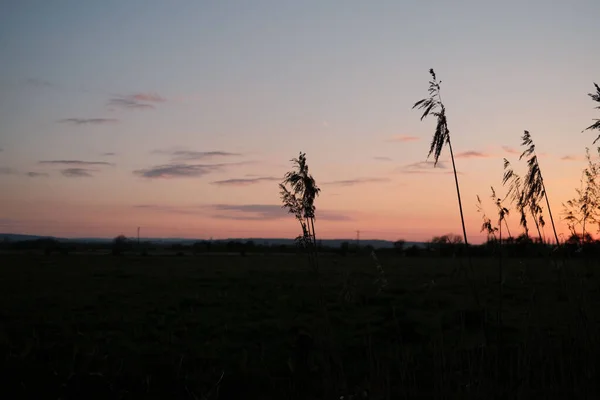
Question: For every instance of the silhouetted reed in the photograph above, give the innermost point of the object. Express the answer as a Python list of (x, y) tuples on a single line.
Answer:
[(299, 200), (434, 106), (596, 125), (517, 196), (534, 187), (584, 209)]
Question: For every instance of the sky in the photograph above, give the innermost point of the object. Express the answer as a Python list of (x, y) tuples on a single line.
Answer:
[(182, 117)]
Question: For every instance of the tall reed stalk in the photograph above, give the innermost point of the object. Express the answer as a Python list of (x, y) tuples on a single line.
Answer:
[(298, 192), (434, 106)]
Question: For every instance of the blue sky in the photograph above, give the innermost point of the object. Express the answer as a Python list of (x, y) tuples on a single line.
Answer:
[(267, 79)]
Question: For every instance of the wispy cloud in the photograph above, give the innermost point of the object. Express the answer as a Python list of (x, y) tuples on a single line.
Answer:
[(109, 154), (510, 150), (6, 222), (422, 167), (148, 97), (129, 104), (76, 162), (472, 154), (258, 212), (187, 210), (7, 171), (403, 138), (571, 158), (357, 181), (135, 101), (88, 121), (245, 181), (190, 155), (37, 175), (77, 172), (380, 158), (39, 83), (167, 171), (238, 212)]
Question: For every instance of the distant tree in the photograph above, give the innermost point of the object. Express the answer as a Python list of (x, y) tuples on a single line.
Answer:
[(578, 239), (449, 238), (399, 246), (523, 238), (120, 244), (446, 245)]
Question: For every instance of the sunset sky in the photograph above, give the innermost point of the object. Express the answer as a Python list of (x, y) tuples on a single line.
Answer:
[(181, 116)]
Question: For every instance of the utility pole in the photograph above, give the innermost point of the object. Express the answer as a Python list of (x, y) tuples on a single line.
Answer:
[(357, 239), (138, 236)]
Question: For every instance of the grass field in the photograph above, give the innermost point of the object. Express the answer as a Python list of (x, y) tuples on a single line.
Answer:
[(232, 327)]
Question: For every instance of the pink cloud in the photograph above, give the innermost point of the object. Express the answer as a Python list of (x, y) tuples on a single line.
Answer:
[(472, 154), (403, 138), (510, 150), (152, 97), (570, 158)]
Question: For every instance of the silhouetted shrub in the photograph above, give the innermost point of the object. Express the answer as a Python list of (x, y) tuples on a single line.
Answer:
[(399, 246), (120, 245)]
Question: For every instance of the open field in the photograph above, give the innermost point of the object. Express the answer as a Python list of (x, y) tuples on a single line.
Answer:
[(170, 327)]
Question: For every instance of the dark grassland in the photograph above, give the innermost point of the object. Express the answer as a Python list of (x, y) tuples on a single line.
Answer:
[(91, 326)]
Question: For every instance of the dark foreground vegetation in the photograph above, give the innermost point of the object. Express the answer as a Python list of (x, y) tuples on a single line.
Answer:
[(233, 327)]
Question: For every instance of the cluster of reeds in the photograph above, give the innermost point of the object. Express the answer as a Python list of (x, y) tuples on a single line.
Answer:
[(526, 194), (583, 210)]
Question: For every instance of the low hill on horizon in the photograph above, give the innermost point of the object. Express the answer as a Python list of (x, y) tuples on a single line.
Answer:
[(376, 243)]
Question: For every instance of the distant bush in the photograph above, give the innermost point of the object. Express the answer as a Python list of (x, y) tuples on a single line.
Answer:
[(399, 246), (120, 244)]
